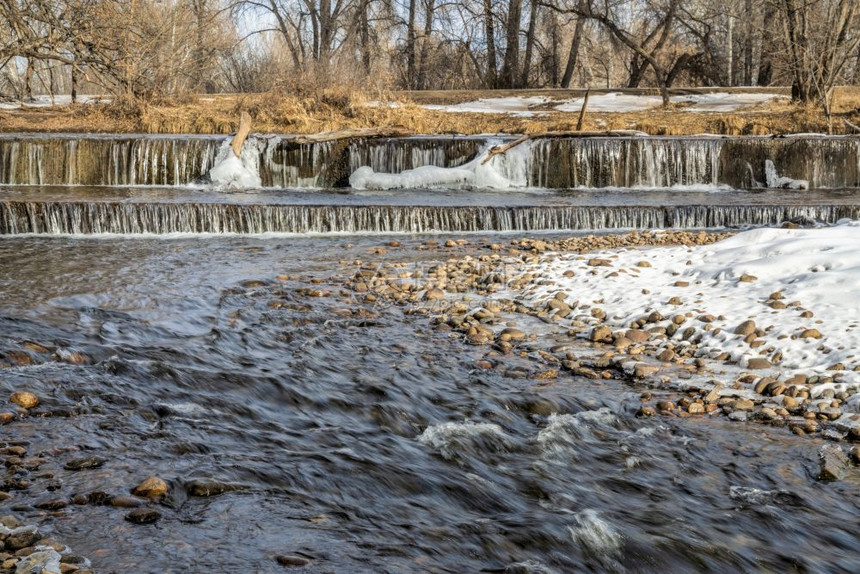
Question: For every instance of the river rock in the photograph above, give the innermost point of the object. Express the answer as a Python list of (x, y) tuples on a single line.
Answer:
[(126, 502), (152, 487), (643, 370), (210, 487), (143, 516), (833, 462), (45, 561), (758, 363), (84, 463), (24, 399), (746, 328), (601, 334), (22, 537), (291, 560), (434, 294), (810, 334)]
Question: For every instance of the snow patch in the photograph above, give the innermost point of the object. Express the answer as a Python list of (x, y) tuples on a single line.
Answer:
[(231, 172)]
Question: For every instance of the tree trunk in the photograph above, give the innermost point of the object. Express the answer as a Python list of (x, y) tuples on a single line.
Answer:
[(530, 43), (573, 55), (410, 46), (512, 49), (74, 85), (638, 67), (768, 41), (429, 10), (748, 43), (365, 37), (490, 29), (28, 80)]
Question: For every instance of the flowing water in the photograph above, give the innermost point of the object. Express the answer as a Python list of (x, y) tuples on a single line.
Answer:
[(369, 443), (353, 434)]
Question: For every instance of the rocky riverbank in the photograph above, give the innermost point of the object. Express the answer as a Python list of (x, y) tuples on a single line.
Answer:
[(585, 305)]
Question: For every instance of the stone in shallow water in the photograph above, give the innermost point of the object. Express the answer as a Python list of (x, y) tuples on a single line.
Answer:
[(22, 537), (24, 399), (292, 560), (152, 487), (143, 516), (41, 562), (85, 463), (833, 462), (210, 487)]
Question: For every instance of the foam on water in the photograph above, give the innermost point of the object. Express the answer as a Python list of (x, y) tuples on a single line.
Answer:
[(595, 535), (453, 439)]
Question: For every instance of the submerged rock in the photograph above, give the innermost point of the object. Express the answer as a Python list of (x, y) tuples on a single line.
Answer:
[(45, 561), (24, 399), (210, 487), (143, 516)]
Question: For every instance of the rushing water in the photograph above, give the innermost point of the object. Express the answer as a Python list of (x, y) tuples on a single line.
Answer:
[(368, 442)]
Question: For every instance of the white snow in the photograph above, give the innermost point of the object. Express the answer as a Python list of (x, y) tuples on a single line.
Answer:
[(519, 106), (45, 101), (612, 102), (503, 171), (523, 106), (231, 172), (815, 269)]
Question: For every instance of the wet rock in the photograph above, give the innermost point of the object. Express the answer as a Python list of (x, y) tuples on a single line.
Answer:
[(810, 334), (833, 462), (743, 405), (597, 262), (643, 370), (143, 516), (855, 454), (24, 399), (85, 463), (126, 502), (45, 561), (152, 487), (22, 537), (434, 294), (210, 487), (55, 504), (748, 278), (645, 411), (291, 560)]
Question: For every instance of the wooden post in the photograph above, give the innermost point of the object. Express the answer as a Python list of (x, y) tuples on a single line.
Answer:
[(242, 134)]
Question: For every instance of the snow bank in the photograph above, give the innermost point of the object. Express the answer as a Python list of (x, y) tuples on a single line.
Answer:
[(519, 106), (504, 171), (45, 101), (801, 287)]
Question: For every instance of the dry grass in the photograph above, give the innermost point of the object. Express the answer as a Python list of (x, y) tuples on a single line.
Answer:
[(327, 109)]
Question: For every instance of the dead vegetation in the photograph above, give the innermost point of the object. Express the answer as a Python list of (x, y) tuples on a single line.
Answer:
[(330, 109)]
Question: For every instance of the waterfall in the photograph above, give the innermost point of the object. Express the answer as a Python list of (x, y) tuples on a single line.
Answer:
[(53, 218), (552, 163)]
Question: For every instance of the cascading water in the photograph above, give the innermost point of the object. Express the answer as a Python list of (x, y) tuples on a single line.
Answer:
[(81, 218), (550, 163)]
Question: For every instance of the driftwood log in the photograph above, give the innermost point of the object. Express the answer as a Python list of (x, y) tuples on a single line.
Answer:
[(500, 149), (242, 134), (386, 132)]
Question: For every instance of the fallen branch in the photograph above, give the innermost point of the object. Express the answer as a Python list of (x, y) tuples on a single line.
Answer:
[(854, 127), (500, 149), (387, 132), (242, 134), (582, 110)]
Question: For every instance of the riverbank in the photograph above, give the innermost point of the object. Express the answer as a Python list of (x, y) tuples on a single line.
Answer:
[(728, 111), (669, 310)]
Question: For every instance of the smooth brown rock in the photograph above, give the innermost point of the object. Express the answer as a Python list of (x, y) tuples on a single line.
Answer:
[(24, 399), (758, 363), (152, 487)]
